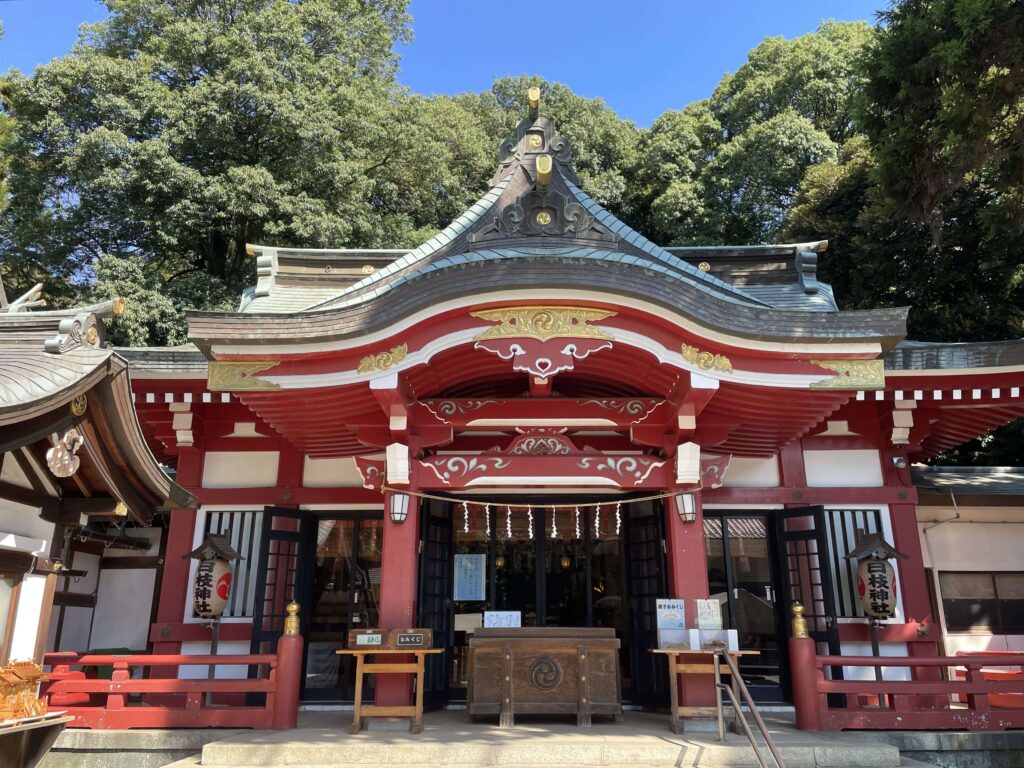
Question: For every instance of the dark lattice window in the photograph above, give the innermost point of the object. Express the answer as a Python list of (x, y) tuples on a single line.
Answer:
[(244, 530), (845, 528), (983, 602)]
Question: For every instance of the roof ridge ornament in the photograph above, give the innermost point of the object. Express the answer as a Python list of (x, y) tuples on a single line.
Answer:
[(535, 135), (31, 298)]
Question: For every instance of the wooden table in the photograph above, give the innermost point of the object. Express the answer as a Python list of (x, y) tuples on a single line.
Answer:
[(693, 666), (364, 667)]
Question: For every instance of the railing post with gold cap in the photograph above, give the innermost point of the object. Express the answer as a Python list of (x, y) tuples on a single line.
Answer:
[(803, 670), (289, 672)]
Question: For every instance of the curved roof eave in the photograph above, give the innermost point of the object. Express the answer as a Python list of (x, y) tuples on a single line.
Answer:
[(553, 272)]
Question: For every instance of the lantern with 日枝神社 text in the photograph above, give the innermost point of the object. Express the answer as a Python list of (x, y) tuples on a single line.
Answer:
[(211, 587), (876, 585), (876, 578)]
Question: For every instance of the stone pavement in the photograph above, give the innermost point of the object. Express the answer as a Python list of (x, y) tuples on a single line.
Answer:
[(642, 740)]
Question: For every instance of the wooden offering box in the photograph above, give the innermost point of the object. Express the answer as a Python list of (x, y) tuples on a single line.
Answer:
[(544, 670)]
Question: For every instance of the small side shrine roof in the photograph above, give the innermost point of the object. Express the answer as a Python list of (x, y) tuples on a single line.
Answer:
[(66, 405), (973, 481), (923, 355)]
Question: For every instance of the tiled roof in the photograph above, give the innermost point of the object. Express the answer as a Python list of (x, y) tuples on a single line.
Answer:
[(32, 380), (159, 360), (921, 355), (970, 480)]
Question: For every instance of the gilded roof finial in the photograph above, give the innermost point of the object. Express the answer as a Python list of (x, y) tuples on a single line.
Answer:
[(533, 95), (543, 172)]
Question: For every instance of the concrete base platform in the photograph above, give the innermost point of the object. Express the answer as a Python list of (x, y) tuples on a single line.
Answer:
[(77, 748), (642, 740)]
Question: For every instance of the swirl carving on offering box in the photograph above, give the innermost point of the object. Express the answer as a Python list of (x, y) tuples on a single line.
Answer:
[(531, 337), (545, 673)]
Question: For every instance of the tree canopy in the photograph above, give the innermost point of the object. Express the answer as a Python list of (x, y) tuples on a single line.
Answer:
[(176, 131)]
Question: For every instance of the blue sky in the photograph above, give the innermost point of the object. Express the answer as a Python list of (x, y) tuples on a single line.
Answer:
[(641, 57)]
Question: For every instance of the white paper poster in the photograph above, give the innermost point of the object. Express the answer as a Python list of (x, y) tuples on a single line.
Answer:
[(671, 614), (709, 614), (470, 577), (503, 619)]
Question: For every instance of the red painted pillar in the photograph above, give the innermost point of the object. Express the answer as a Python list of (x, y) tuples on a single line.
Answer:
[(913, 582), (399, 560), (688, 580), (174, 583)]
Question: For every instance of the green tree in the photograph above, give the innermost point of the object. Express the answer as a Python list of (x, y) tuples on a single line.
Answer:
[(944, 106), (726, 170), (6, 131), (818, 76), (178, 130)]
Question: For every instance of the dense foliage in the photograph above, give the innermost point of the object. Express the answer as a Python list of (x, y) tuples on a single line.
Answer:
[(176, 131)]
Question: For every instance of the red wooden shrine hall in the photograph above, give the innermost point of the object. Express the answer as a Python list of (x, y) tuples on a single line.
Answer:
[(538, 382)]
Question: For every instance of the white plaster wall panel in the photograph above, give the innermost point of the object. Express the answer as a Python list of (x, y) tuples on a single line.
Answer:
[(12, 473), (975, 546), (86, 585), (240, 469), (330, 473), (200, 671), (977, 643), (847, 468), (848, 648), (26, 622), (752, 473), (23, 520), (74, 634), (124, 601)]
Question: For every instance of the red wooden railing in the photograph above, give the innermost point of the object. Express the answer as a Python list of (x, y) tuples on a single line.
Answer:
[(924, 703), (127, 701)]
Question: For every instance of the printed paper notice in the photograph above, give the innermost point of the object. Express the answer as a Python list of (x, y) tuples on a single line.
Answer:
[(709, 614), (671, 614), (470, 577), (503, 619)]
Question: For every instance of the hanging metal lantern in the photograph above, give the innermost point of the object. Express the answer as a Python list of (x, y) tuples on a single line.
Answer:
[(876, 585), (211, 588)]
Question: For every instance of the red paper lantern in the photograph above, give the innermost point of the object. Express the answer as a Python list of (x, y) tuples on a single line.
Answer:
[(876, 585), (211, 588)]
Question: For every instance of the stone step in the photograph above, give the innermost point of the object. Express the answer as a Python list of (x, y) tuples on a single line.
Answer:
[(296, 751)]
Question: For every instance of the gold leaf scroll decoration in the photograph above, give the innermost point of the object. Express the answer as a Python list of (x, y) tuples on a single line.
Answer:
[(231, 376), (852, 374), (383, 360), (543, 323), (705, 360)]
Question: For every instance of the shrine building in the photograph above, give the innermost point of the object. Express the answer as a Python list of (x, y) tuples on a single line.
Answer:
[(604, 420)]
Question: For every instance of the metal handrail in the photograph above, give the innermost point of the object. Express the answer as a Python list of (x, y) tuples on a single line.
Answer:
[(739, 685)]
